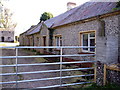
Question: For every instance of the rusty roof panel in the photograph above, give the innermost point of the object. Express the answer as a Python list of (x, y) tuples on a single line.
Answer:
[(87, 10)]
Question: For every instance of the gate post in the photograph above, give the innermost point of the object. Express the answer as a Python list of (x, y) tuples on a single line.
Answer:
[(61, 66), (99, 73), (1, 68), (16, 68), (100, 58), (107, 45)]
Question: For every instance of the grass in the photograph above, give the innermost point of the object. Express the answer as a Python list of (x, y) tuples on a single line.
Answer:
[(38, 60), (2, 44), (96, 87)]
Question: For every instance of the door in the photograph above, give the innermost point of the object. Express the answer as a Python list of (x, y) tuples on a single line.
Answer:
[(2, 39), (44, 42)]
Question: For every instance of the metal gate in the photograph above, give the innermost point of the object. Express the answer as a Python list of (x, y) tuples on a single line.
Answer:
[(16, 65)]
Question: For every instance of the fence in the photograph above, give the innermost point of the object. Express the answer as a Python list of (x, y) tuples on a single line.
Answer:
[(16, 65), (112, 68)]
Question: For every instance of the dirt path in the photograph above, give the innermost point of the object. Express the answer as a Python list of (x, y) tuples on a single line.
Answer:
[(11, 52)]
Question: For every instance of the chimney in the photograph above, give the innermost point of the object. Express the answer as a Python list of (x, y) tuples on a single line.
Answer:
[(70, 5)]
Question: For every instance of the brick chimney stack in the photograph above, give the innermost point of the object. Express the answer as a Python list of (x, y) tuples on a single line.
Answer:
[(70, 5)]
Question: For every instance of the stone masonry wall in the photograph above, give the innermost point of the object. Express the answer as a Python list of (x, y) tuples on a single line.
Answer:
[(107, 47), (112, 38), (71, 36), (119, 39)]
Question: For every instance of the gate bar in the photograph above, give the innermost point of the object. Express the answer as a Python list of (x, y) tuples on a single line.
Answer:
[(37, 56), (47, 63), (43, 79), (62, 85), (47, 71), (48, 47)]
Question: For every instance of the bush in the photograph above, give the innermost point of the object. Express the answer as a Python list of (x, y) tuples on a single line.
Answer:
[(108, 86)]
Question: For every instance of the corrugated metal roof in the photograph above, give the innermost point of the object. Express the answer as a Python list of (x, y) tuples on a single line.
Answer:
[(87, 10)]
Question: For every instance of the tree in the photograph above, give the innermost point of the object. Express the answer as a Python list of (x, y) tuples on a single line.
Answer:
[(118, 4), (45, 16), (6, 18)]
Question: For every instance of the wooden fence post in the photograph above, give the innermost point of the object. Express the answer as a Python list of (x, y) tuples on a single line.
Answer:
[(105, 72), (95, 74)]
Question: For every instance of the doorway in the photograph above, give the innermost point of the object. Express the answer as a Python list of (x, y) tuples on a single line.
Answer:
[(44, 42), (2, 39)]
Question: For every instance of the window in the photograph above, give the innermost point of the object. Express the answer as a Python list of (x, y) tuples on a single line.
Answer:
[(88, 39), (9, 38), (58, 40)]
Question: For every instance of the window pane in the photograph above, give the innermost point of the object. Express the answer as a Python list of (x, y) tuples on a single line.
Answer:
[(57, 41), (92, 34), (60, 41), (85, 41), (92, 43)]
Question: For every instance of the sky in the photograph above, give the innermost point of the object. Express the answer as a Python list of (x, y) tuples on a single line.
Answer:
[(28, 12)]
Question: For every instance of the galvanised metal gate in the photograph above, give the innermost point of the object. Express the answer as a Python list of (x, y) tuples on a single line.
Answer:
[(47, 71)]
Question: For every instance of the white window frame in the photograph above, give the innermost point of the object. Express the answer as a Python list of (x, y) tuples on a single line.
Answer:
[(58, 42), (88, 41)]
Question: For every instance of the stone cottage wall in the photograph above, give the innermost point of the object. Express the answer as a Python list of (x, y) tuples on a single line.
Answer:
[(107, 47), (119, 39), (107, 51), (44, 32), (71, 36), (37, 40), (21, 39), (112, 38)]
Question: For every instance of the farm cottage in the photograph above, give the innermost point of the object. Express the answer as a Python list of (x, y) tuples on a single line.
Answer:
[(6, 35), (91, 24)]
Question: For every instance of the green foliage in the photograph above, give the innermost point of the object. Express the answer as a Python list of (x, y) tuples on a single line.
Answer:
[(118, 4), (114, 9), (108, 86), (45, 16)]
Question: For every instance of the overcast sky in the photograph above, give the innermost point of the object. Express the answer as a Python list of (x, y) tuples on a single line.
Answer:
[(28, 12)]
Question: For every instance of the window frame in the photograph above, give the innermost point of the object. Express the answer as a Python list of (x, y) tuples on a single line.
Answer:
[(59, 37), (89, 38)]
